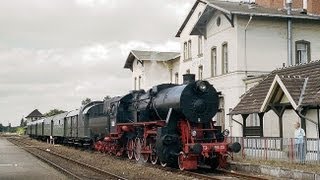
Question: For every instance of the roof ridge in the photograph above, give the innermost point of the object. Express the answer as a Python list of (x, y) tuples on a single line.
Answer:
[(156, 51), (296, 65)]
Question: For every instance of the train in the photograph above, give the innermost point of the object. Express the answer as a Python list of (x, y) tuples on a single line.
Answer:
[(169, 124)]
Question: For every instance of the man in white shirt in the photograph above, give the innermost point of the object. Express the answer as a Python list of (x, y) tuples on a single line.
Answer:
[(299, 136)]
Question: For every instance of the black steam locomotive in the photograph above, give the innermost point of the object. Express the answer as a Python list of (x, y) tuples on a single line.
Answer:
[(171, 124)]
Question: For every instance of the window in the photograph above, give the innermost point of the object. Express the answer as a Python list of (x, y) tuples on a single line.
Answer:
[(176, 79), (139, 83), (225, 58), (185, 50), (189, 49), (218, 21), (188, 71), (213, 61), (135, 83), (200, 46), (200, 72), (303, 54), (220, 121)]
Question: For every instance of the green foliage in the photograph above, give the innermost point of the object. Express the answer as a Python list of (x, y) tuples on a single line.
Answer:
[(1, 128), (85, 101), (53, 112), (20, 130)]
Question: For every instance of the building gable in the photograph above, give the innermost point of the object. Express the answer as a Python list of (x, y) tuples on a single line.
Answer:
[(301, 83), (284, 89), (141, 56), (35, 113)]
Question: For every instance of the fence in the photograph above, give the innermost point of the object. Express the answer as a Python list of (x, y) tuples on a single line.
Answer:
[(281, 149)]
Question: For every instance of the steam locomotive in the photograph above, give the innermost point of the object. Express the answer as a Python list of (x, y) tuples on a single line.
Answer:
[(170, 124)]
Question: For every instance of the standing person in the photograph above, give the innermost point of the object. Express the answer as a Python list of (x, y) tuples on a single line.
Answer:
[(299, 136)]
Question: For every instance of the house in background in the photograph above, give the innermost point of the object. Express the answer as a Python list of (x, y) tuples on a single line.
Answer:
[(284, 97), (34, 115), (150, 68), (234, 45)]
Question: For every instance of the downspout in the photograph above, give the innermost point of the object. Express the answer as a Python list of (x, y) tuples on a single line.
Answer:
[(300, 108), (289, 33), (245, 45), (318, 116)]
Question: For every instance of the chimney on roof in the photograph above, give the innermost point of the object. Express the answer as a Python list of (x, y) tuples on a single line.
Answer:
[(289, 6)]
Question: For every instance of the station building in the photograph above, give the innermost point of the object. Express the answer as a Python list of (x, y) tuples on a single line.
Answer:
[(34, 115), (236, 44), (152, 67)]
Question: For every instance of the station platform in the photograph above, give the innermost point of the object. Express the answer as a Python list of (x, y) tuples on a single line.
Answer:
[(15, 163)]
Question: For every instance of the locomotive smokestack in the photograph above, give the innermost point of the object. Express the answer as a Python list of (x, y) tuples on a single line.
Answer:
[(189, 78)]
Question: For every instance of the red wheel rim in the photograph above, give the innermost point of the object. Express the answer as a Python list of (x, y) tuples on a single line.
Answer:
[(130, 149), (180, 162), (137, 149)]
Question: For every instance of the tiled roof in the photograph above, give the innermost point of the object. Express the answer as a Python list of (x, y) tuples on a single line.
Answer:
[(149, 56), (35, 113), (256, 10), (294, 86), (292, 77)]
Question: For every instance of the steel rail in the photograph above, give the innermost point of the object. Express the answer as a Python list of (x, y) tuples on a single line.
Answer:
[(221, 172), (100, 171)]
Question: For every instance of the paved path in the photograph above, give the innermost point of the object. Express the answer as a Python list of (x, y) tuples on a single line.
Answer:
[(15, 163)]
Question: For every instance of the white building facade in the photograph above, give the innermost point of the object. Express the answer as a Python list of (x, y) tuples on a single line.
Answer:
[(150, 68), (233, 45), (240, 42)]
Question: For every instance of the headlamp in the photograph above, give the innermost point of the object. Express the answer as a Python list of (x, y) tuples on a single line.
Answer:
[(226, 132), (201, 85)]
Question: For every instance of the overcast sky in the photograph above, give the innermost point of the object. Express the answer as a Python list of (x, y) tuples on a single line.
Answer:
[(54, 53)]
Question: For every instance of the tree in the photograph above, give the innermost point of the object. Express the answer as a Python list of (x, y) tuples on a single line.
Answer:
[(85, 101), (53, 112), (107, 97), (22, 123), (1, 127)]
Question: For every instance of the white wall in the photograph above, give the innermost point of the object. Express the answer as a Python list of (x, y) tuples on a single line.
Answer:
[(311, 127), (138, 70), (194, 62), (271, 124), (267, 42), (289, 118), (154, 72)]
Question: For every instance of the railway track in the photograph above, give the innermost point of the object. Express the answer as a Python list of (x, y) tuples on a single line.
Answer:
[(216, 175), (72, 168), (202, 174)]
